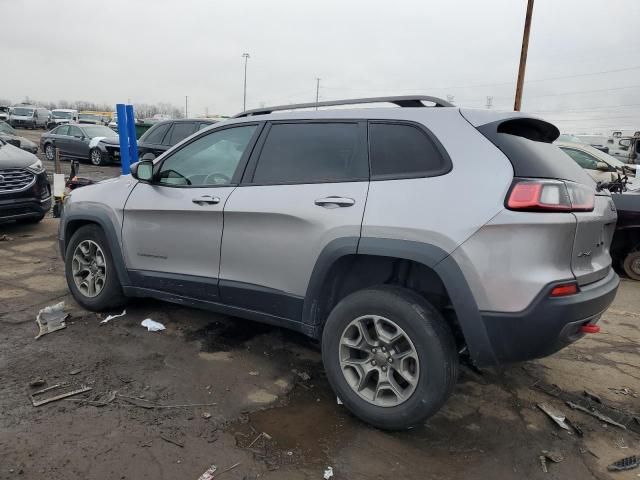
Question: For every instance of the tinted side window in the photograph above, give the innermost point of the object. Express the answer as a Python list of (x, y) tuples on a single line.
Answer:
[(398, 150), (311, 153), (180, 131), (63, 130), (75, 131), (210, 160), (155, 134)]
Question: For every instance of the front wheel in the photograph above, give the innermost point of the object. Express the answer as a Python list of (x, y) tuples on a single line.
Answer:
[(631, 265), (90, 270), (97, 157), (389, 356)]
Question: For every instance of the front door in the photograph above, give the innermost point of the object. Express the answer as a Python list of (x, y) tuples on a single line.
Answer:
[(306, 187), (173, 226)]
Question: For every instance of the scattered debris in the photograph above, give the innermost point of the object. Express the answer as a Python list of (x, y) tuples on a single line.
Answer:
[(37, 403), (254, 373), (592, 396), (543, 463), (553, 455), (595, 413), (152, 326), (208, 474), (75, 371), (227, 469), (557, 417), (304, 376), (5, 238), (206, 415), (627, 463), (577, 428), (111, 317), (51, 319), (624, 391), (620, 443), (328, 473), (148, 404), (172, 441), (37, 382), (264, 435), (338, 401)]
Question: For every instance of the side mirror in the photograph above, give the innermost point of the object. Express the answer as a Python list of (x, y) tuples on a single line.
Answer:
[(142, 170), (603, 166)]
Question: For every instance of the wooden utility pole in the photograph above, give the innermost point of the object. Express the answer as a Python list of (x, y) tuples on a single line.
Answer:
[(523, 56)]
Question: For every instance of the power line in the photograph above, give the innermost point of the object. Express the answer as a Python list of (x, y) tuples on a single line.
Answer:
[(591, 109)]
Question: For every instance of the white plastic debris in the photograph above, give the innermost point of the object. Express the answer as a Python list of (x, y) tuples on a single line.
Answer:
[(208, 474), (51, 318), (152, 326), (328, 473), (111, 317), (338, 401)]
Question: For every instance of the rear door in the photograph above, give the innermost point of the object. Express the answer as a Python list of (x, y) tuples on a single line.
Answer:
[(173, 226), (151, 141), (78, 143), (305, 186), (61, 139), (179, 132)]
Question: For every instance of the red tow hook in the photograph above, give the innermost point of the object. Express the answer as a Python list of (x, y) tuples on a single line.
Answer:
[(589, 328)]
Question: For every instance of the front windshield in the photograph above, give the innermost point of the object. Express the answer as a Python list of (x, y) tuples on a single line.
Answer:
[(23, 112), (88, 116), (6, 128), (61, 114), (99, 131)]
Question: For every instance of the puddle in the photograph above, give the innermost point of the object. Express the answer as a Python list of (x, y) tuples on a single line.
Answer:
[(221, 336)]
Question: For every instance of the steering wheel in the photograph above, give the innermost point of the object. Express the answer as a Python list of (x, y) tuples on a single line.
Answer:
[(216, 177)]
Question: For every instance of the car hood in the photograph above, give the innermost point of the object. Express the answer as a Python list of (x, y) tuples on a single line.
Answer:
[(14, 157), (110, 141)]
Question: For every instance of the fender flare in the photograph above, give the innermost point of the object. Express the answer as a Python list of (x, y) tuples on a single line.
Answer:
[(429, 255), (102, 219)]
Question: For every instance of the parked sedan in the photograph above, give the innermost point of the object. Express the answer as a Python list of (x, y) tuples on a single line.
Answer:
[(78, 141), (10, 135)]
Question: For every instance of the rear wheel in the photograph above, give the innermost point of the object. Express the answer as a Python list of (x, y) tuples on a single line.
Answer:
[(389, 356), (97, 157), (90, 270), (631, 265)]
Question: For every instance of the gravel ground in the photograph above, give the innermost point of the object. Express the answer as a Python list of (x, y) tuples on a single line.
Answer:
[(490, 428)]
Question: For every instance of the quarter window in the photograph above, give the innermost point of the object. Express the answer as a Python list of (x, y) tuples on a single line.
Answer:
[(312, 153), (401, 151), (75, 132), (210, 160), (63, 130)]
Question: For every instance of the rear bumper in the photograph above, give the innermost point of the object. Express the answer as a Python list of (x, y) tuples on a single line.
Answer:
[(548, 324)]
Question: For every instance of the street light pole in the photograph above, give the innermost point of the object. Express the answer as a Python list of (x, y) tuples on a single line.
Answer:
[(317, 92), (523, 56), (244, 98), (186, 106)]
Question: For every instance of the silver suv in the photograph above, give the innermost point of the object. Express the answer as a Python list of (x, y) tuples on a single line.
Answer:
[(403, 238)]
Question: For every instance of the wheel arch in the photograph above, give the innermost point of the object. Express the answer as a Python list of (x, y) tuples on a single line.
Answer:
[(71, 223), (350, 263)]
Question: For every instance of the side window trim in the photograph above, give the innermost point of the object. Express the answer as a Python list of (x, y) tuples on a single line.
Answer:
[(448, 164), (252, 165), (167, 136), (235, 180)]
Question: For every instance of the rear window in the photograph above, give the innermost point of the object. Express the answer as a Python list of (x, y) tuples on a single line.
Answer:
[(527, 143), (180, 131), (403, 151), (313, 153)]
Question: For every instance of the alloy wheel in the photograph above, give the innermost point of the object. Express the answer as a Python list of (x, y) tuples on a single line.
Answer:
[(379, 361), (50, 153), (96, 157), (89, 268)]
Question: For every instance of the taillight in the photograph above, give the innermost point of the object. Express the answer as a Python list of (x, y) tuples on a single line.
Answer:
[(550, 196), (564, 290)]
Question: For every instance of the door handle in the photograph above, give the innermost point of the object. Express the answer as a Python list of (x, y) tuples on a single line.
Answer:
[(206, 200), (334, 202)]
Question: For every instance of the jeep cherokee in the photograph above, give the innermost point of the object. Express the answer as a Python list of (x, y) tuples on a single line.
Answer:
[(402, 238)]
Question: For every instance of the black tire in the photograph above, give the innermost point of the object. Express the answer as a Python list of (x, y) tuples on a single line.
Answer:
[(631, 265), (97, 157), (111, 295), (433, 341)]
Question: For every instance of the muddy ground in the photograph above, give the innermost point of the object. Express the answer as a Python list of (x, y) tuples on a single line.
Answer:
[(249, 378)]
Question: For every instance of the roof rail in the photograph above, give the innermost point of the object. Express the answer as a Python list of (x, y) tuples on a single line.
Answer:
[(401, 101)]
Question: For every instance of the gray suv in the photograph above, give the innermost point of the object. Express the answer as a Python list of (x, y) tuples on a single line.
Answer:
[(402, 238)]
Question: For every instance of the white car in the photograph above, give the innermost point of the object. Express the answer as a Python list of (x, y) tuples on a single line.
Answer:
[(601, 166)]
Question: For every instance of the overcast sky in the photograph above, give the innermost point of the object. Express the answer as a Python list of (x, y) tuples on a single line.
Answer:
[(161, 50)]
